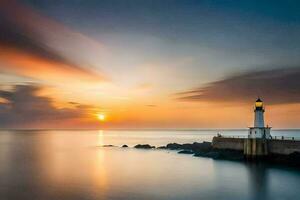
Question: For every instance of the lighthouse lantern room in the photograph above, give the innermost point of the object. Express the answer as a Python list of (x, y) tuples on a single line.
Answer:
[(259, 130)]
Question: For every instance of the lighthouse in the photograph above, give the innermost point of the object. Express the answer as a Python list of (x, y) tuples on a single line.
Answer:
[(259, 130), (259, 114), (256, 143)]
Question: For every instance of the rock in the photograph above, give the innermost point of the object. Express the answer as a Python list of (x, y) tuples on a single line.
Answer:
[(195, 147), (174, 146), (124, 146), (162, 147), (292, 159), (144, 146), (108, 145), (295, 156), (212, 154), (223, 154), (227, 154), (186, 152), (205, 149), (199, 147)]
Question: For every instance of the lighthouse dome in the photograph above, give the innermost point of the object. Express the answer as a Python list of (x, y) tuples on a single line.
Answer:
[(259, 103)]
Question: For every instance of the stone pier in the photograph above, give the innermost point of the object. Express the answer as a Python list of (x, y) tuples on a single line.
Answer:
[(255, 147)]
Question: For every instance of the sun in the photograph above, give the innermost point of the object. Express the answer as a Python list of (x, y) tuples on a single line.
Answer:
[(101, 117)]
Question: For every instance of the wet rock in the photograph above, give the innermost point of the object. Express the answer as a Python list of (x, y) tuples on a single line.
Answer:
[(292, 159), (174, 146), (227, 154), (186, 152), (212, 154), (224, 154), (195, 147), (295, 156), (205, 149), (108, 145), (199, 147), (144, 146)]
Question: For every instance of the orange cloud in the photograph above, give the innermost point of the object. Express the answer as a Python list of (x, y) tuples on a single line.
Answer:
[(35, 46), (25, 64)]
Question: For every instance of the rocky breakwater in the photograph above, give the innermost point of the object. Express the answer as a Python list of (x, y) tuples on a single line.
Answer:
[(144, 146), (203, 149), (206, 149)]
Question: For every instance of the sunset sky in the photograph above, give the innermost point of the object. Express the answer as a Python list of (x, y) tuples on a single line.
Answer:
[(148, 64)]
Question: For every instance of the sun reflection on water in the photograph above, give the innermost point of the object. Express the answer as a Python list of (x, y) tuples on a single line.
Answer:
[(100, 138)]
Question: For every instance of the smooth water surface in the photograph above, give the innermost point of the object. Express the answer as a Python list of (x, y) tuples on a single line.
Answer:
[(50, 165)]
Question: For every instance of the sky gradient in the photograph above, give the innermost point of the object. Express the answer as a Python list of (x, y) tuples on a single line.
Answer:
[(148, 64)]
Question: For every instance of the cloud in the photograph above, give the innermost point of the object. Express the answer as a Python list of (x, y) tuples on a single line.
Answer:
[(23, 107), (14, 36), (275, 86), (33, 42)]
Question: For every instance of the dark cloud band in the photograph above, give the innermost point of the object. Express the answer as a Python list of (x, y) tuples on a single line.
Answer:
[(276, 86), (23, 107)]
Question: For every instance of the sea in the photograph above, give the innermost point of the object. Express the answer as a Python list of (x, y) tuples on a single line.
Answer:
[(76, 165)]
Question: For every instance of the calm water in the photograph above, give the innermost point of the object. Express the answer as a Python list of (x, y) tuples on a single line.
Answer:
[(50, 165)]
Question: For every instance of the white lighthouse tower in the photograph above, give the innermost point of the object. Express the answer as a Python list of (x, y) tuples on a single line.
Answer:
[(259, 130)]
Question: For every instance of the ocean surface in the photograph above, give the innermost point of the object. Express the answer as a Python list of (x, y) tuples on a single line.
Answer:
[(74, 165)]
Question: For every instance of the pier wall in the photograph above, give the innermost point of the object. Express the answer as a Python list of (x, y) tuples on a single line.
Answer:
[(228, 143), (283, 147)]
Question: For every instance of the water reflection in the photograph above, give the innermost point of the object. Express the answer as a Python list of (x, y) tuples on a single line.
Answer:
[(71, 165), (258, 178), (100, 138)]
